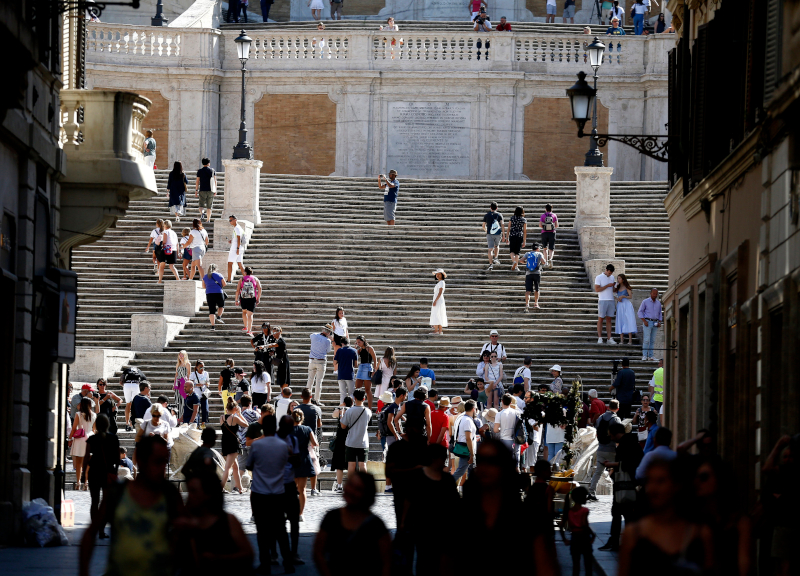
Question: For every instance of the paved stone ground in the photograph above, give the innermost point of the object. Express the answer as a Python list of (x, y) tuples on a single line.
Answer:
[(63, 561)]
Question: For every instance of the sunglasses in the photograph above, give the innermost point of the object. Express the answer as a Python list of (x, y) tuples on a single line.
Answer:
[(493, 356)]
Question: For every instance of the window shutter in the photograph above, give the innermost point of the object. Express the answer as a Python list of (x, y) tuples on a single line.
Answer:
[(772, 58), (673, 112), (699, 74)]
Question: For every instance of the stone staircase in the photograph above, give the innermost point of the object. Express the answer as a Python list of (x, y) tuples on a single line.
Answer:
[(323, 243)]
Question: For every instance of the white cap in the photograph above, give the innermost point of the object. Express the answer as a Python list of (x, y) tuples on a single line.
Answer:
[(494, 333), (592, 393), (556, 367)]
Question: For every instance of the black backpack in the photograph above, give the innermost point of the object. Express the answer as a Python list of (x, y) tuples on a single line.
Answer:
[(131, 375), (603, 436), (383, 422), (520, 431)]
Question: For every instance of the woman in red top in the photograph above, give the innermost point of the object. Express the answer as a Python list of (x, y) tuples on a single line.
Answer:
[(440, 422)]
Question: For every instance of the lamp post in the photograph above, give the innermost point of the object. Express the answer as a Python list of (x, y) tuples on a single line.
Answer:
[(243, 150), (159, 19), (596, 49)]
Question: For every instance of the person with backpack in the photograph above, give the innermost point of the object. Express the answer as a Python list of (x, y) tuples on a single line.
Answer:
[(169, 250), (131, 376), (534, 262), (495, 233), (155, 240), (248, 295), (606, 447), (548, 222), (523, 374), (238, 245)]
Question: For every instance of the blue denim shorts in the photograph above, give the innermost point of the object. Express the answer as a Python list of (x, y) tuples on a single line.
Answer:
[(364, 371)]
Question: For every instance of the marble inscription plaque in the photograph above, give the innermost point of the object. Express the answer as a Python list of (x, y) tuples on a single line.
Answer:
[(429, 139)]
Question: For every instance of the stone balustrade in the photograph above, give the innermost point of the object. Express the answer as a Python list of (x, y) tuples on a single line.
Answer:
[(280, 49)]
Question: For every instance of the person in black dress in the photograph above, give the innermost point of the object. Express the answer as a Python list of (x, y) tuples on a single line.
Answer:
[(231, 446), (280, 359), (102, 464), (260, 344)]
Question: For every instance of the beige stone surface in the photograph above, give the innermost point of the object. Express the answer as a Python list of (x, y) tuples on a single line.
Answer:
[(94, 363), (153, 332), (183, 298), (592, 196), (223, 235), (595, 267), (241, 190), (596, 242)]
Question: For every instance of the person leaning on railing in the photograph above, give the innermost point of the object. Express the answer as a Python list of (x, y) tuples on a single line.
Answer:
[(503, 26)]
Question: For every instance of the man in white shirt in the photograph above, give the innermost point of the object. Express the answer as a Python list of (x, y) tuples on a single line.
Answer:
[(523, 374), (551, 11), (466, 433), (606, 309), (494, 346), (236, 253), (166, 414), (504, 425), (282, 405)]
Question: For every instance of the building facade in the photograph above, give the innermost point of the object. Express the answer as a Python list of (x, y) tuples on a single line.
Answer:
[(69, 166), (732, 305)]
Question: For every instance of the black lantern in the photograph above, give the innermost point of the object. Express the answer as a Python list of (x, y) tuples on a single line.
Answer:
[(581, 99), (243, 150)]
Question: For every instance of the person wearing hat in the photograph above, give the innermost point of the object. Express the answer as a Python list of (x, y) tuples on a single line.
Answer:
[(321, 344), (438, 309), (557, 384), (86, 390), (384, 400), (534, 262), (494, 346)]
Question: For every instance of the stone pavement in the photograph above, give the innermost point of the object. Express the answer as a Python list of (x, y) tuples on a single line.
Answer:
[(63, 561)]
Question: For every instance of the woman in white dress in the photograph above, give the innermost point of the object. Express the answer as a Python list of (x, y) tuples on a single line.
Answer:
[(626, 317), (82, 428), (388, 368), (317, 6), (438, 309)]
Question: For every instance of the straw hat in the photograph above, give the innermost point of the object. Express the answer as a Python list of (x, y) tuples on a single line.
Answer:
[(440, 271), (444, 402), (328, 328), (455, 400), (490, 415), (386, 397)]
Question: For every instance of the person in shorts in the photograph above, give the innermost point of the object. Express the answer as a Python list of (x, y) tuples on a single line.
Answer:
[(186, 252), (336, 9), (533, 277), (214, 284), (236, 253), (205, 186), (392, 186), (551, 11), (569, 12), (494, 229), (548, 222), (606, 304), (356, 422)]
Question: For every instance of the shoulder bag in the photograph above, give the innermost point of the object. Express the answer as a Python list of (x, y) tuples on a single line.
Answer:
[(224, 294), (377, 376), (460, 449)]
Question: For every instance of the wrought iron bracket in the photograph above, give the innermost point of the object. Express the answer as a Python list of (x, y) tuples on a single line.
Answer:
[(654, 146), (95, 9)]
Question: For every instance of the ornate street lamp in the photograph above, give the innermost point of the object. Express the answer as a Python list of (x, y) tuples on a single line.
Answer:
[(583, 100), (243, 150)]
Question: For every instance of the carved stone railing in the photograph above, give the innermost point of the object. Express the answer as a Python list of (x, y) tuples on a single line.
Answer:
[(280, 49), (97, 120)]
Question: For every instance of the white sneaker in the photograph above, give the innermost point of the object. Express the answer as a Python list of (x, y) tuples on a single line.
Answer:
[(599, 340), (611, 341), (550, 263), (301, 519), (314, 492)]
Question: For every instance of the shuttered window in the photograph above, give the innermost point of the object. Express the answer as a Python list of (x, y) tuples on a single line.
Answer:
[(772, 56), (698, 117)]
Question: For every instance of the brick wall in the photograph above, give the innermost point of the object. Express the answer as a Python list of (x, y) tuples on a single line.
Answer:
[(296, 134), (157, 120), (552, 148)]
